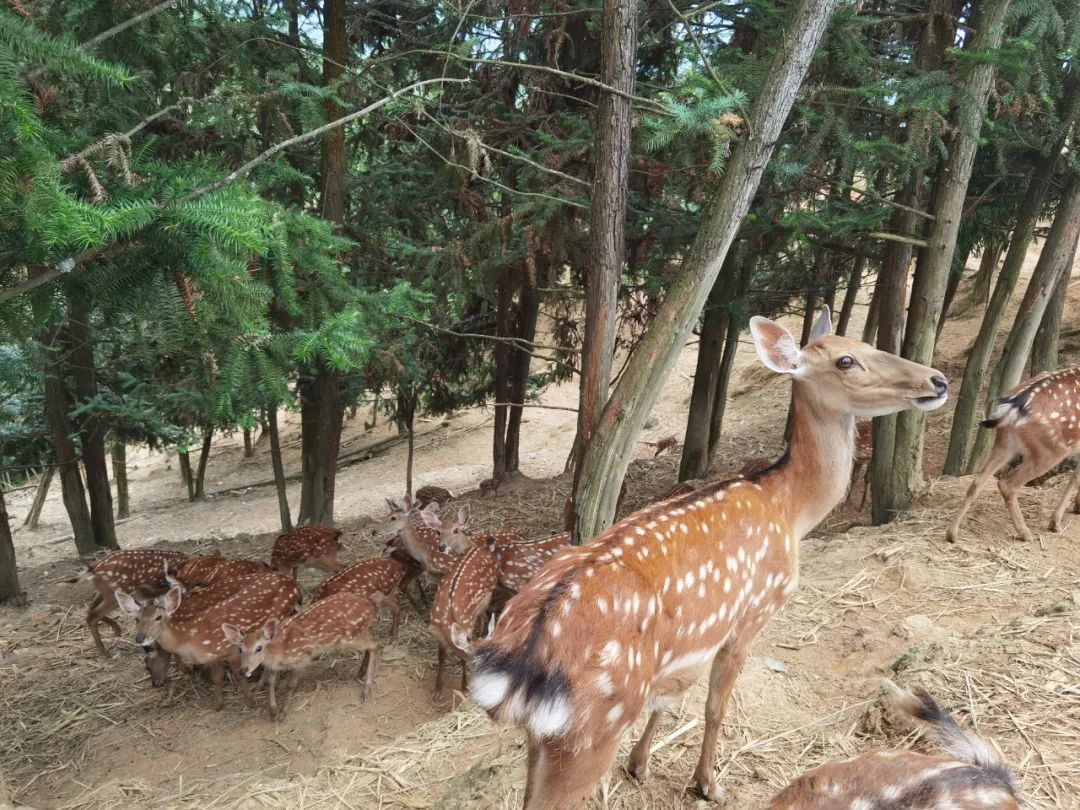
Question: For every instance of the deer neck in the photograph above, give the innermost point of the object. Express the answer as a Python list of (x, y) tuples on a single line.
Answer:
[(414, 545), (820, 457), (179, 642)]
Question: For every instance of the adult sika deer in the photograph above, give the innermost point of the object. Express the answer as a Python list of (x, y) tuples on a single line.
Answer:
[(626, 622)]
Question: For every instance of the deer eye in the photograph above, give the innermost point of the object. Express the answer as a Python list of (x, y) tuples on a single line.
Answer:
[(258, 648), (157, 618), (845, 362)]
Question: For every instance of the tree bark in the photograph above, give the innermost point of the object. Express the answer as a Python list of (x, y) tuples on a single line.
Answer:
[(869, 331), (40, 494), (91, 430), (1054, 260), (119, 465), (608, 453), (249, 448), (9, 572), (737, 321), (980, 289), (520, 363), (851, 294), (185, 473), (71, 483), (1044, 350), (927, 294), (607, 238), (407, 410), (956, 275), (502, 370), (204, 456), (967, 402), (279, 469)]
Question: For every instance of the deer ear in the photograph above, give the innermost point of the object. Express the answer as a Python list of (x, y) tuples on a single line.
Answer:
[(233, 634), (392, 504), (464, 515), (822, 327), (460, 638), (775, 346), (127, 603), (270, 629), (431, 519), (407, 503), (172, 600)]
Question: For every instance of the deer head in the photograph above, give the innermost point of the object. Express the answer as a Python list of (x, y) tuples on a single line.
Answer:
[(151, 617), (454, 537), (253, 645)]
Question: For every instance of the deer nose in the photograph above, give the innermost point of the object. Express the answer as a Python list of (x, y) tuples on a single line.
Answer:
[(144, 642), (941, 385)]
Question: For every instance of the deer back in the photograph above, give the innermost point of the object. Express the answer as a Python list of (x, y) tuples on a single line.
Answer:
[(333, 622), (369, 578), (432, 494), (1043, 412), (519, 560), (132, 570), (465, 590), (304, 545), (198, 601)]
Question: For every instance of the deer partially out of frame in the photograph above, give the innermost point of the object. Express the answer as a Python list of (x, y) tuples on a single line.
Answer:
[(968, 775), (1039, 419), (626, 622), (142, 572), (864, 451)]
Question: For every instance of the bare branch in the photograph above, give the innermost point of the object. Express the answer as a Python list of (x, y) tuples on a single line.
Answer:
[(126, 24), (533, 405)]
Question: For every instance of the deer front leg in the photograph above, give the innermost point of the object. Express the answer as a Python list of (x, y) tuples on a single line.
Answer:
[(271, 689), (437, 694), (725, 669), (241, 682), (998, 459), (1072, 493), (217, 674), (638, 766), (394, 603)]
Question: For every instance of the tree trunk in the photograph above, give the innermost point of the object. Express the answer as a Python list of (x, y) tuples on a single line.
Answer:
[(851, 294), (927, 295), (119, 465), (40, 494), (980, 289), (71, 483), (406, 403), (737, 321), (279, 469), (956, 275), (967, 401), (520, 363), (91, 430), (1044, 349), (607, 239), (1054, 260), (320, 430), (608, 453), (502, 370), (185, 473), (204, 456), (9, 572), (249, 448), (869, 331), (695, 457)]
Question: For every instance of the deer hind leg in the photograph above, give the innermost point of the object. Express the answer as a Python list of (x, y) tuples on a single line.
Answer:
[(563, 780), (638, 765), (393, 602), (865, 487), (1035, 463), (217, 673), (437, 694), (1072, 493), (998, 459), (97, 613), (725, 670)]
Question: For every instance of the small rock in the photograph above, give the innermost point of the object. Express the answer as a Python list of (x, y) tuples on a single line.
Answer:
[(775, 665)]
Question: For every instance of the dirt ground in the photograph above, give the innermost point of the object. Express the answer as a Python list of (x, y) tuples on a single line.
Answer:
[(990, 626)]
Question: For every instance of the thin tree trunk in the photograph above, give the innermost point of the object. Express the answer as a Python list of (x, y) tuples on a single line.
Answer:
[(119, 465), (960, 258), (1044, 349), (870, 327), (279, 468), (204, 456), (927, 295), (409, 458), (980, 288), (249, 448), (91, 430), (607, 240), (737, 321), (71, 483), (185, 473), (502, 371), (609, 452), (9, 572), (967, 401), (851, 294), (520, 363), (1055, 259), (406, 408), (40, 495)]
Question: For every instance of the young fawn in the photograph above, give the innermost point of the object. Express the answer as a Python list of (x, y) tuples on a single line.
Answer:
[(316, 546), (419, 542), (1039, 419), (341, 621), (136, 571), (626, 622), (197, 639), (969, 775), (454, 535), (432, 494), (377, 580)]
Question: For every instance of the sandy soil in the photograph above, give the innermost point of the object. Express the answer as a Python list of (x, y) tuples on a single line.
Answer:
[(989, 625)]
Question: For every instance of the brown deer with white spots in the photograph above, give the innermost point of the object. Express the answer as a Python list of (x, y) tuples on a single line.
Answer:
[(316, 546), (454, 535), (968, 775), (197, 640), (754, 466), (626, 622), (666, 443), (413, 545), (1040, 420), (377, 580), (135, 571), (460, 603), (864, 452), (432, 494), (199, 572), (341, 621)]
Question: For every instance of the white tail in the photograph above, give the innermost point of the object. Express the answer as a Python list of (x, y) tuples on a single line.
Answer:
[(1040, 420), (969, 776), (341, 621), (627, 622), (377, 580)]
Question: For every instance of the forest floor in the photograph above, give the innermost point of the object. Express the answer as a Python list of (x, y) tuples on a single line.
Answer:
[(991, 626)]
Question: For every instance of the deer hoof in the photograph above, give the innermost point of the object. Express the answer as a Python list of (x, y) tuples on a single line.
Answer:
[(1056, 525), (952, 535), (711, 792), (638, 774)]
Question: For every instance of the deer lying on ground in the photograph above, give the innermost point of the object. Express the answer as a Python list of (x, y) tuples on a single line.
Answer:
[(431, 494), (1040, 420), (968, 775), (198, 640), (136, 571), (316, 546), (626, 622), (377, 580), (341, 621)]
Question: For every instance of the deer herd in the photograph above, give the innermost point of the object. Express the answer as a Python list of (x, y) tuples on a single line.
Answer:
[(574, 643)]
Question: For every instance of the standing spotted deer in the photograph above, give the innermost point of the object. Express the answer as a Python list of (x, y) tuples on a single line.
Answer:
[(1040, 420), (377, 580), (626, 623), (315, 545), (967, 775)]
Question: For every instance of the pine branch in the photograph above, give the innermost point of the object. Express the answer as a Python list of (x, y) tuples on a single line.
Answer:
[(126, 24), (67, 164)]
